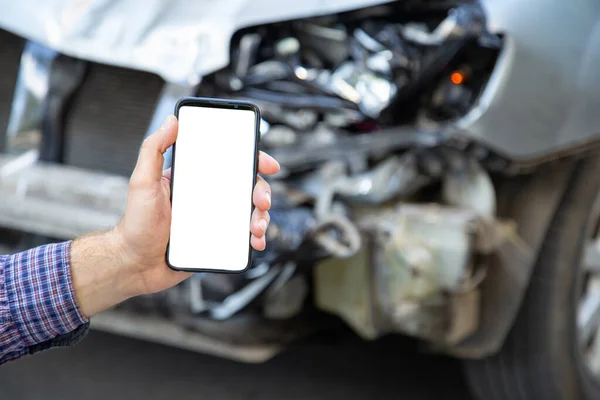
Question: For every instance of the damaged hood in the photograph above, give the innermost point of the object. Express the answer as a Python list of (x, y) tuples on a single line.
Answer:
[(180, 40)]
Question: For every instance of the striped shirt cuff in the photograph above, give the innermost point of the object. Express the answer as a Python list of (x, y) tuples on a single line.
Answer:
[(40, 292)]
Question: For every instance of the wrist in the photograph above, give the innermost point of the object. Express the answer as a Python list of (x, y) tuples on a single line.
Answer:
[(126, 266), (101, 272)]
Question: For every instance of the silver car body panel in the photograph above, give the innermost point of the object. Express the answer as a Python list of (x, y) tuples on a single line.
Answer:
[(544, 94)]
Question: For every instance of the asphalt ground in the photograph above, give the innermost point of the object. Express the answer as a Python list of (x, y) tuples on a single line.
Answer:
[(105, 366)]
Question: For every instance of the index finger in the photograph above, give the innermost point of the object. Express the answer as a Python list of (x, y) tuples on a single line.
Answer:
[(267, 165)]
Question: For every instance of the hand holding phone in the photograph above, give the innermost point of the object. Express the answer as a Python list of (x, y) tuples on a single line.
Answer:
[(211, 210), (129, 260)]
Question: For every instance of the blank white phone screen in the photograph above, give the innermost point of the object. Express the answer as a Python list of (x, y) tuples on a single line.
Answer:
[(212, 189)]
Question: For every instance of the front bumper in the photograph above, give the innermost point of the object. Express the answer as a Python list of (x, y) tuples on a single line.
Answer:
[(58, 201)]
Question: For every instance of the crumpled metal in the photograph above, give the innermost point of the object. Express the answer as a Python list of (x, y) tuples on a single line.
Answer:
[(180, 40)]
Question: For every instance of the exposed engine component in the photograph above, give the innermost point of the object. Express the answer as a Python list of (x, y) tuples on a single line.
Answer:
[(350, 70), (286, 296), (421, 273)]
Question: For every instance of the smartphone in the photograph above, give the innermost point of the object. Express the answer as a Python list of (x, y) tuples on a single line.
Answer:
[(214, 165)]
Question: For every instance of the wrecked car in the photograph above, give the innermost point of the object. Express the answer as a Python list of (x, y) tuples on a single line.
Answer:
[(440, 175)]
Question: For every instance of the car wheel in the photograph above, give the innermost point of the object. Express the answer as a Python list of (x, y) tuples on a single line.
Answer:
[(553, 349)]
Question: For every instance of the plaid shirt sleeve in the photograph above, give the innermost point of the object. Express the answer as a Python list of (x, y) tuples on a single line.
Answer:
[(38, 308)]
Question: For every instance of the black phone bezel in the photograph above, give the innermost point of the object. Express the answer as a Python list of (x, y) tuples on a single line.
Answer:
[(226, 104)]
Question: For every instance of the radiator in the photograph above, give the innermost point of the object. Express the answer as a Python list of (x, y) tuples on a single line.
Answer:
[(109, 117)]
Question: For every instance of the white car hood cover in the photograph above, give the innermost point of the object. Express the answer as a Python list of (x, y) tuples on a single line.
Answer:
[(180, 40)]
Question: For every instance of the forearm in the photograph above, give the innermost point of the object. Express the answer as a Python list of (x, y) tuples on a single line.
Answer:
[(48, 294)]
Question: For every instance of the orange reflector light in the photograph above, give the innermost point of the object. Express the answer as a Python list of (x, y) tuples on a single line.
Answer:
[(457, 78)]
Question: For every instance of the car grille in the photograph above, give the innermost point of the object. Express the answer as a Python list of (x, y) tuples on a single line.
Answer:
[(108, 118)]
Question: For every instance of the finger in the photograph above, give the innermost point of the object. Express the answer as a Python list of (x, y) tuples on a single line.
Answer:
[(261, 197), (259, 222), (167, 173), (150, 160), (267, 165), (258, 243)]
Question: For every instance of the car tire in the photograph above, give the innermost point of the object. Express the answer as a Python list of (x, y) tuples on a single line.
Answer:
[(540, 358)]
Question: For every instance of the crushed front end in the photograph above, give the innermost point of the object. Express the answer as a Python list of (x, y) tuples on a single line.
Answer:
[(382, 214)]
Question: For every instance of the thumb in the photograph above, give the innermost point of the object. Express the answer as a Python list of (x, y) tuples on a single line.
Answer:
[(150, 159)]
